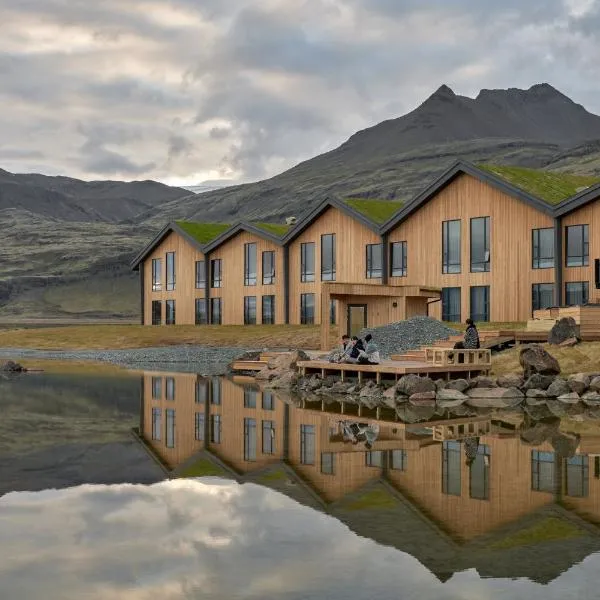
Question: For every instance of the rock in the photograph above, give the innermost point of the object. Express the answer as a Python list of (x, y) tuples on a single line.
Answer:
[(540, 431), (569, 342), (494, 397), (450, 398), (460, 385), (408, 413), (538, 412), (539, 382), (284, 381), (579, 383), (534, 359), (422, 399), (570, 398), (558, 387), (12, 367), (595, 384), (563, 330), (390, 392), (591, 399), (440, 384), (352, 389), (413, 384), (314, 383), (287, 360), (536, 397), (558, 409), (482, 382), (510, 380)]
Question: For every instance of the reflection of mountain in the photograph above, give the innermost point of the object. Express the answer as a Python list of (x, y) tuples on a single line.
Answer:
[(519, 510)]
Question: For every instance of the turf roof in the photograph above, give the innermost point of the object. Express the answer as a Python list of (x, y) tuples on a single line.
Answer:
[(273, 228), (203, 232), (378, 211), (548, 186)]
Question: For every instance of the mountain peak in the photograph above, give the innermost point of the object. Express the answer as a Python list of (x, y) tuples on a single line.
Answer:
[(443, 92)]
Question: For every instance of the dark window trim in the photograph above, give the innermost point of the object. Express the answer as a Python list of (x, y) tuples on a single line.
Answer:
[(216, 282), (445, 248), (332, 258), (200, 274), (585, 245), (535, 296), (486, 236), (170, 312), (270, 278), (585, 291), (250, 279), (535, 248), (248, 309), (270, 298), (306, 275), (171, 283), (370, 272), (156, 281), (447, 314), (201, 317), (157, 303), (213, 303), (487, 302), (402, 272), (304, 319)]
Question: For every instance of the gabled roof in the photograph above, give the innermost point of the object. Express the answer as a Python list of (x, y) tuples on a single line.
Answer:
[(378, 211), (260, 229), (581, 199)]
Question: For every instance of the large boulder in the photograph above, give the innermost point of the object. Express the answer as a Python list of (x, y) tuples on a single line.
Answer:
[(510, 380), (591, 399), (408, 413), (460, 385), (482, 381), (558, 387), (570, 398), (279, 365), (534, 359), (12, 367), (580, 382), (538, 382), (494, 397), (450, 398), (563, 330), (413, 384)]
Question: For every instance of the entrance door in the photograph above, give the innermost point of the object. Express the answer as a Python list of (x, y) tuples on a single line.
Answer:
[(357, 318)]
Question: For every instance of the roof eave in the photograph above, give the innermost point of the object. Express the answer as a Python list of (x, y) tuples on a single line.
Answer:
[(578, 201), (238, 228)]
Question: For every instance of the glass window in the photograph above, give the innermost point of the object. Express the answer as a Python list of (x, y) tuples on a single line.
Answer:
[(374, 261), (399, 259), (216, 273), (249, 310), (451, 304), (268, 400), (156, 312), (170, 313), (328, 463), (307, 309), (216, 311), (268, 267), (577, 476), (268, 437), (201, 312), (399, 460), (200, 274), (170, 427), (170, 271), (451, 480), (307, 444), (156, 388), (215, 429), (170, 388), (156, 423), (268, 310), (215, 388), (451, 246), (480, 303), (542, 471), (250, 395), (249, 439), (307, 261), (328, 266), (542, 295), (201, 391), (199, 427), (543, 248), (156, 274), (479, 474), (576, 292), (480, 244), (332, 312), (577, 245), (374, 458), (250, 264)]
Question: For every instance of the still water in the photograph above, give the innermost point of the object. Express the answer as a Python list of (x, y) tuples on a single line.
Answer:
[(174, 486)]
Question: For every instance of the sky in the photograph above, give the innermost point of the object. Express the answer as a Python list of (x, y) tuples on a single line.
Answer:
[(185, 91), (218, 540)]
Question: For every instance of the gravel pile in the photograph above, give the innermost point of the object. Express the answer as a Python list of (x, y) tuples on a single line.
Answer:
[(399, 337)]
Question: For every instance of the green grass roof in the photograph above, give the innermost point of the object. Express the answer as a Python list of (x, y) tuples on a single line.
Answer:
[(203, 232), (546, 185), (378, 211), (273, 228)]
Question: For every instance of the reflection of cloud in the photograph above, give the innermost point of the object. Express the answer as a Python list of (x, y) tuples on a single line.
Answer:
[(214, 539)]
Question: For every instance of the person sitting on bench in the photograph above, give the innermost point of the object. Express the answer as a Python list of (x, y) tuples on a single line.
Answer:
[(471, 340), (370, 355)]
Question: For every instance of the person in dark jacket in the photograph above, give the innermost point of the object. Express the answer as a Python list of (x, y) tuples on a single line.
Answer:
[(471, 336)]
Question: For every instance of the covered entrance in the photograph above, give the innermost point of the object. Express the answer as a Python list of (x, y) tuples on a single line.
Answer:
[(356, 318)]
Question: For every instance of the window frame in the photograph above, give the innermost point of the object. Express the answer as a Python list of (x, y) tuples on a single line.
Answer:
[(327, 467), (156, 387), (536, 259), (585, 292), (446, 292), (156, 424), (487, 303), (402, 271), (371, 272), (216, 273), (199, 425), (307, 433), (483, 451), (451, 449), (486, 264), (585, 246), (536, 296), (171, 272), (328, 274), (154, 314), (156, 274), (268, 437), (215, 429), (170, 388), (250, 255), (250, 435), (170, 312), (250, 310), (449, 268), (307, 273), (536, 474), (170, 428), (402, 463), (200, 267), (200, 316), (306, 319), (270, 301), (268, 271), (216, 302)]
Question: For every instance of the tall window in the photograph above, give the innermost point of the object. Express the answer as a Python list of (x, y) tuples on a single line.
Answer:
[(249, 310), (451, 304), (399, 460), (250, 397), (156, 388), (216, 311), (156, 423), (307, 261), (215, 429), (307, 309), (170, 271), (332, 312), (170, 413), (156, 274), (170, 313), (156, 312), (216, 273), (480, 245), (170, 388), (199, 426), (577, 476), (268, 267), (201, 312), (479, 474), (577, 292), (215, 388), (268, 400), (328, 463), (451, 247), (328, 267), (542, 471), (249, 439), (480, 303), (268, 310), (307, 444), (200, 274), (268, 437), (542, 250), (399, 259), (578, 247), (201, 391), (374, 458), (451, 482), (374, 261), (542, 295), (250, 264)]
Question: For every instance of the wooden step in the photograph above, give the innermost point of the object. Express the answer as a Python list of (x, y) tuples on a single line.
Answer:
[(248, 365)]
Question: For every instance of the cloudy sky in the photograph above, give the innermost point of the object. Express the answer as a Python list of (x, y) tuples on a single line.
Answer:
[(189, 90)]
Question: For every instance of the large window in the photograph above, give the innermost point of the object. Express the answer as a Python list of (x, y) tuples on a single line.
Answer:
[(576, 292), (542, 471), (479, 474), (268, 310), (451, 304), (170, 271), (156, 423), (170, 314), (542, 295), (249, 439), (578, 247), (170, 414), (399, 259), (480, 245), (249, 310), (215, 387), (268, 267), (200, 274), (399, 460), (577, 476), (268, 437), (328, 463), (170, 388), (216, 273), (307, 309), (156, 388), (249, 264), (216, 311), (307, 444), (542, 250), (451, 464), (268, 400), (374, 261), (328, 267), (156, 274), (201, 312), (374, 458), (215, 429), (307, 261), (250, 395), (156, 312), (201, 391), (451, 247), (480, 303), (199, 426)]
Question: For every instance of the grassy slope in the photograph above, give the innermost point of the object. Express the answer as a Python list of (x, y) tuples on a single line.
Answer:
[(203, 232), (379, 211)]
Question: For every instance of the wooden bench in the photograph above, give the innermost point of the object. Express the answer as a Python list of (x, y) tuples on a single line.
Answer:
[(451, 357)]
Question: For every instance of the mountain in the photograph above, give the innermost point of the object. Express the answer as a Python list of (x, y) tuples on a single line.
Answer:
[(208, 186), (67, 243)]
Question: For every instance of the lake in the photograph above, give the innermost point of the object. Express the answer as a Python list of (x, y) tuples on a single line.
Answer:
[(171, 485)]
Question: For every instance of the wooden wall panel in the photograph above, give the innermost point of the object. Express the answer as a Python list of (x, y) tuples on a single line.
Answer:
[(511, 221), (185, 292)]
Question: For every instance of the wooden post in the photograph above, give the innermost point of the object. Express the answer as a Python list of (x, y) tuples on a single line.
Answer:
[(325, 326)]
